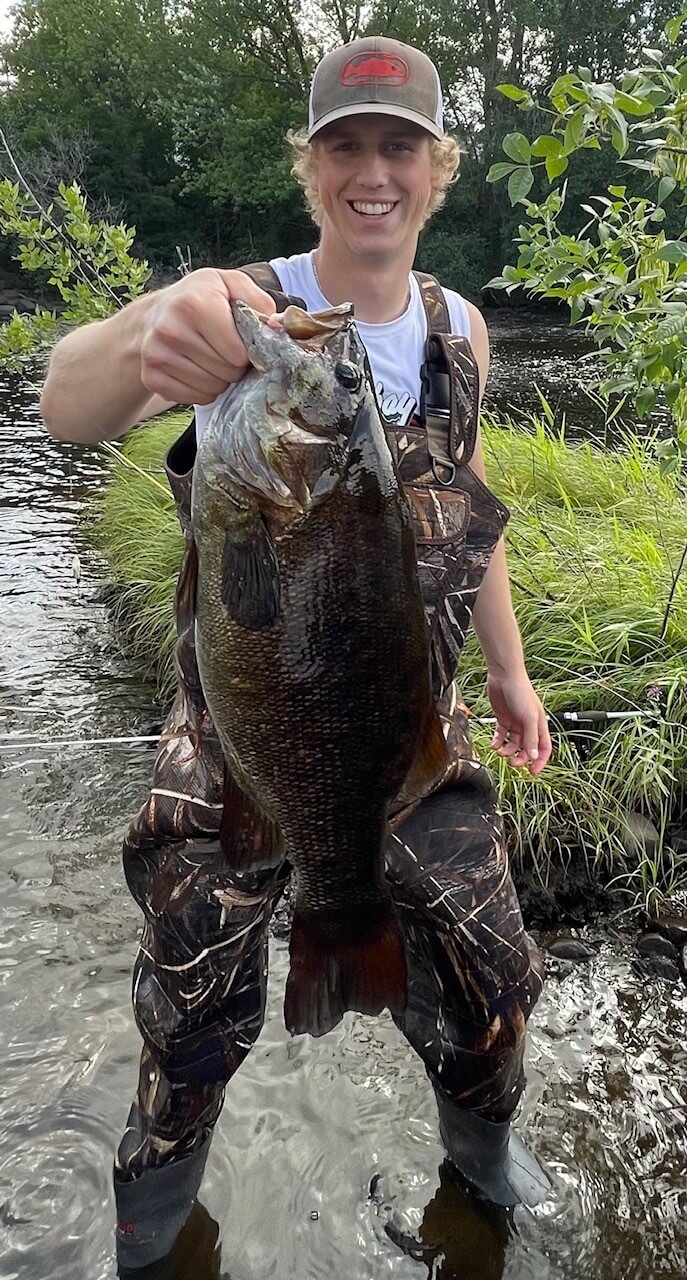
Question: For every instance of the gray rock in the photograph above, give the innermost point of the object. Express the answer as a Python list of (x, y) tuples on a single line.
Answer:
[(654, 944), (656, 967), (570, 949), (673, 927)]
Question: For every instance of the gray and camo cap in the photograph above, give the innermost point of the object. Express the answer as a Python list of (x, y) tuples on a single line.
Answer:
[(376, 75)]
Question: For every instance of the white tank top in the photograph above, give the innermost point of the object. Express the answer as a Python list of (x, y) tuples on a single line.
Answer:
[(396, 349)]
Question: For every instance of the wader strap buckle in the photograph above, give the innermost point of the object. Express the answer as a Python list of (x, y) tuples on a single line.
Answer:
[(435, 415)]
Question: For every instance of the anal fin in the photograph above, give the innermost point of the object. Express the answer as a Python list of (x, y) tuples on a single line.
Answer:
[(249, 839), (329, 976)]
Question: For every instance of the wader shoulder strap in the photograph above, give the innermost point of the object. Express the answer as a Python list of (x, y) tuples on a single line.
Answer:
[(266, 278), (449, 397)]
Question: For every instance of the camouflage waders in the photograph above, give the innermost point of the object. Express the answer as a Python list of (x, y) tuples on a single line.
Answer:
[(201, 972)]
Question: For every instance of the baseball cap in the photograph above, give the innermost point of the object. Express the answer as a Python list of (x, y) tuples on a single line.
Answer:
[(376, 75)]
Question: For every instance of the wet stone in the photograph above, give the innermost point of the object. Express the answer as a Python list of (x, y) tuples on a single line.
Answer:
[(656, 967), (674, 928), (570, 949), (654, 944)]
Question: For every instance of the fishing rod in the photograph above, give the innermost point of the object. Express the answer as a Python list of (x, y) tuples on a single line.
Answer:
[(561, 720)]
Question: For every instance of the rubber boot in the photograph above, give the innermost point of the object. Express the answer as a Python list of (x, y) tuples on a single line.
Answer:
[(152, 1209), (491, 1156)]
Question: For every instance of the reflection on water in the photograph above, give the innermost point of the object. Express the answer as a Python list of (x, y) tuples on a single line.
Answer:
[(326, 1161), (541, 350)]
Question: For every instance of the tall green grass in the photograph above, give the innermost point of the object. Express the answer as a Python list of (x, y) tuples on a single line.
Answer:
[(595, 542)]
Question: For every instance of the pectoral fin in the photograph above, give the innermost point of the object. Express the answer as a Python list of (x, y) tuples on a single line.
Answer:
[(431, 758), (250, 575)]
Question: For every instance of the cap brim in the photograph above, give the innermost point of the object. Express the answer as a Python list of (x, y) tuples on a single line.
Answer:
[(377, 109)]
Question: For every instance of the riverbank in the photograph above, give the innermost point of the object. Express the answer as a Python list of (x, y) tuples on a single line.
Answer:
[(595, 541)]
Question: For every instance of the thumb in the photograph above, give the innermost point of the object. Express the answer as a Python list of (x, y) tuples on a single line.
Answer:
[(239, 285)]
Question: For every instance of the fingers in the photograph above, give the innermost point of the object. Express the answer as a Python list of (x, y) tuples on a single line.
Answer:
[(239, 285), (191, 350), (528, 746), (545, 746)]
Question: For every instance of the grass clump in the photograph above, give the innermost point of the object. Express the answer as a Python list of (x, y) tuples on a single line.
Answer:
[(595, 543), (137, 530)]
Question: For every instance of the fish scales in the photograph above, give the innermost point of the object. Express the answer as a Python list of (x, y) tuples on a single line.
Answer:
[(313, 651)]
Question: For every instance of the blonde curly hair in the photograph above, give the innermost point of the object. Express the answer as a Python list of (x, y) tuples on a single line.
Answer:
[(444, 158)]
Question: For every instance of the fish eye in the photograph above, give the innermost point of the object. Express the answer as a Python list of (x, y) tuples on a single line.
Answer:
[(348, 375)]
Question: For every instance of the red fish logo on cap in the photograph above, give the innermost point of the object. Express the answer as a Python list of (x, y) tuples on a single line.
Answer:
[(374, 68)]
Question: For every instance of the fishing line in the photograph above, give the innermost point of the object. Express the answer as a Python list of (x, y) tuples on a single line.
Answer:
[(561, 720)]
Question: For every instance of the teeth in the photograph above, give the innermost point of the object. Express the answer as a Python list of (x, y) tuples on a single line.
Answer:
[(372, 209)]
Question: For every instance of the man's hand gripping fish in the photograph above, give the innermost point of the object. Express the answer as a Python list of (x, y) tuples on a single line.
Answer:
[(312, 649)]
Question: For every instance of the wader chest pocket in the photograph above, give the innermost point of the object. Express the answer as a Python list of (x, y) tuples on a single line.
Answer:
[(440, 520)]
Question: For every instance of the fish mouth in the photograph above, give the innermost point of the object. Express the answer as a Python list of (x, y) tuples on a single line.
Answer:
[(347, 345)]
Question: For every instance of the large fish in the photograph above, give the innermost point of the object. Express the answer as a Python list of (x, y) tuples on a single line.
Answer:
[(313, 650)]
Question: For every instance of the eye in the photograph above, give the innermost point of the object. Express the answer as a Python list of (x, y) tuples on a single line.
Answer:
[(348, 375)]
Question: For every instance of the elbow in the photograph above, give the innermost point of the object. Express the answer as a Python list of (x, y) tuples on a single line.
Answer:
[(55, 423)]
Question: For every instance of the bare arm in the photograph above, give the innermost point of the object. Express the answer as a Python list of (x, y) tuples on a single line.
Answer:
[(493, 617), (521, 732), (178, 346)]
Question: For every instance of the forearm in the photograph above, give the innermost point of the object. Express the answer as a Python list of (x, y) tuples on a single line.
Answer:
[(494, 620), (93, 390)]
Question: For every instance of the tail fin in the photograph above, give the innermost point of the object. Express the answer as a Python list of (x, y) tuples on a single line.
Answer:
[(329, 976)]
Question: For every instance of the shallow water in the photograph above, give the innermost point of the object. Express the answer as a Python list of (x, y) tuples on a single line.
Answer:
[(307, 1124)]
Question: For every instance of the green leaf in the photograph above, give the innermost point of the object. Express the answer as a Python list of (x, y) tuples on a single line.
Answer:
[(519, 184), (499, 171), (546, 145), (665, 187), (645, 401), (563, 84), (632, 105), (574, 129), (672, 251), (671, 326), (517, 147), (515, 93), (555, 165), (674, 26)]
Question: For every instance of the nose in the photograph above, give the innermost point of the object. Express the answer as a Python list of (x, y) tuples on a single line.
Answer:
[(373, 170)]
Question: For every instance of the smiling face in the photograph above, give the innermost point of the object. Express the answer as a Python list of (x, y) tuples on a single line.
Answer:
[(374, 181)]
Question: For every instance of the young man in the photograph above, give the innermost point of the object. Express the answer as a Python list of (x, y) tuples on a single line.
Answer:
[(375, 163)]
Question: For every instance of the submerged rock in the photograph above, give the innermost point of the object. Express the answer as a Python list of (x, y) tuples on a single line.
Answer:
[(674, 928), (654, 944), (570, 949), (656, 967)]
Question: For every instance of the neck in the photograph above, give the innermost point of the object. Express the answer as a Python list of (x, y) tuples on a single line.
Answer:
[(376, 285)]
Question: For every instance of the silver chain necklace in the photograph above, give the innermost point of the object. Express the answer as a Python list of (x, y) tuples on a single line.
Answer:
[(319, 285)]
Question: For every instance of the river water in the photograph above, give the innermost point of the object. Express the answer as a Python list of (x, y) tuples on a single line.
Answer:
[(309, 1127)]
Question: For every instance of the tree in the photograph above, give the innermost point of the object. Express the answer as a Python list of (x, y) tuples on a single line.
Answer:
[(621, 274)]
